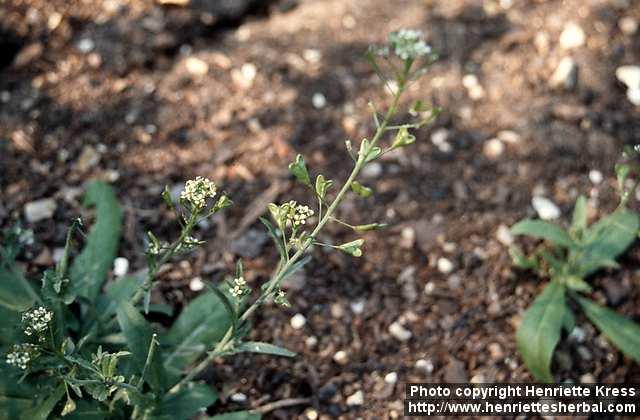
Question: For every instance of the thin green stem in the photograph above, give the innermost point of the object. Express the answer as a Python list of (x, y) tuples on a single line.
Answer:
[(226, 341)]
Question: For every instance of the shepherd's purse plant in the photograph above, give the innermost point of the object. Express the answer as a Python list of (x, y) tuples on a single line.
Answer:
[(568, 258), (80, 347)]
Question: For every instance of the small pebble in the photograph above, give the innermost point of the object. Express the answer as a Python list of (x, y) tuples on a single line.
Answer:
[(85, 45), (357, 307), (298, 321), (504, 236), (628, 25), (196, 284), (318, 100), (311, 414), (120, 266), (391, 378), (588, 378), (493, 148), (341, 357), (595, 176), (425, 365), (311, 341), (629, 75), (238, 397), (337, 310), (38, 210), (429, 288), (399, 332), (566, 75), (578, 335), (546, 209), (572, 36), (509, 137), (445, 266), (356, 399), (372, 170), (196, 66), (312, 55), (478, 379)]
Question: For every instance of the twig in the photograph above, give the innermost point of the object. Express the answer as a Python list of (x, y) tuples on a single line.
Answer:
[(287, 402)]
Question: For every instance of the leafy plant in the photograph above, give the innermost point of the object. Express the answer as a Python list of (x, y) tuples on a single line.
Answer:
[(568, 258), (81, 347)]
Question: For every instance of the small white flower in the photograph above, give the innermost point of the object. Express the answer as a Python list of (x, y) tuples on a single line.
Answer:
[(239, 288), (36, 321), (21, 354), (197, 191), (408, 44), (297, 214)]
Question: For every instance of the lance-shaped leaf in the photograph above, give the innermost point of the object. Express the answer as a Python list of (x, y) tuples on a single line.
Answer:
[(370, 226), (540, 329), (361, 190), (264, 348), (579, 220), (352, 248), (89, 270), (299, 169), (543, 230), (623, 333)]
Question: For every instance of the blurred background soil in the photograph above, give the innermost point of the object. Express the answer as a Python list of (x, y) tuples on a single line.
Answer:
[(144, 94)]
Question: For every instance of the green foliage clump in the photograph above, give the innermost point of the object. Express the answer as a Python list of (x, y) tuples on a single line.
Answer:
[(569, 257)]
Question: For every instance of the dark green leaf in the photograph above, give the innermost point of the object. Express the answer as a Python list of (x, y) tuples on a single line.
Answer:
[(192, 399), (275, 237), (575, 283), (606, 240), (45, 407), (522, 261), (569, 321), (622, 172), (16, 293), (540, 329), (264, 348), (543, 230), (299, 170), (89, 270), (139, 334), (623, 333)]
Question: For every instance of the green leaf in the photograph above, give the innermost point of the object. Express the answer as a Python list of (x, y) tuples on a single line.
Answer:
[(299, 170), (200, 326), (569, 322), (88, 411), (522, 261), (89, 270), (322, 185), (139, 334), (237, 415), (370, 226), (607, 239), (45, 407), (264, 348), (623, 333), (403, 138), (16, 293), (579, 220), (16, 396), (373, 154), (543, 230), (352, 248), (575, 283), (275, 237), (361, 190), (622, 172), (192, 399), (540, 329)]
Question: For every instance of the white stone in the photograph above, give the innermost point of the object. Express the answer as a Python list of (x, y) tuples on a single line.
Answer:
[(318, 100), (196, 284), (312, 55), (298, 321), (478, 379), (504, 236), (120, 266), (628, 25), (355, 399), (566, 74), (572, 36), (439, 138), (249, 71), (391, 378), (357, 307), (429, 288), (629, 75), (445, 266), (372, 170), (85, 45), (493, 148), (196, 66), (311, 414), (546, 209), (399, 332), (425, 365), (341, 357), (509, 137), (37, 210), (244, 76), (595, 176), (588, 378), (311, 341), (238, 397)]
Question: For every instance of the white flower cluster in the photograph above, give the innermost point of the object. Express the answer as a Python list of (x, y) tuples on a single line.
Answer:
[(197, 191), (37, 320), (409, 44), (21, 354), (239, 288), (298, 214)]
